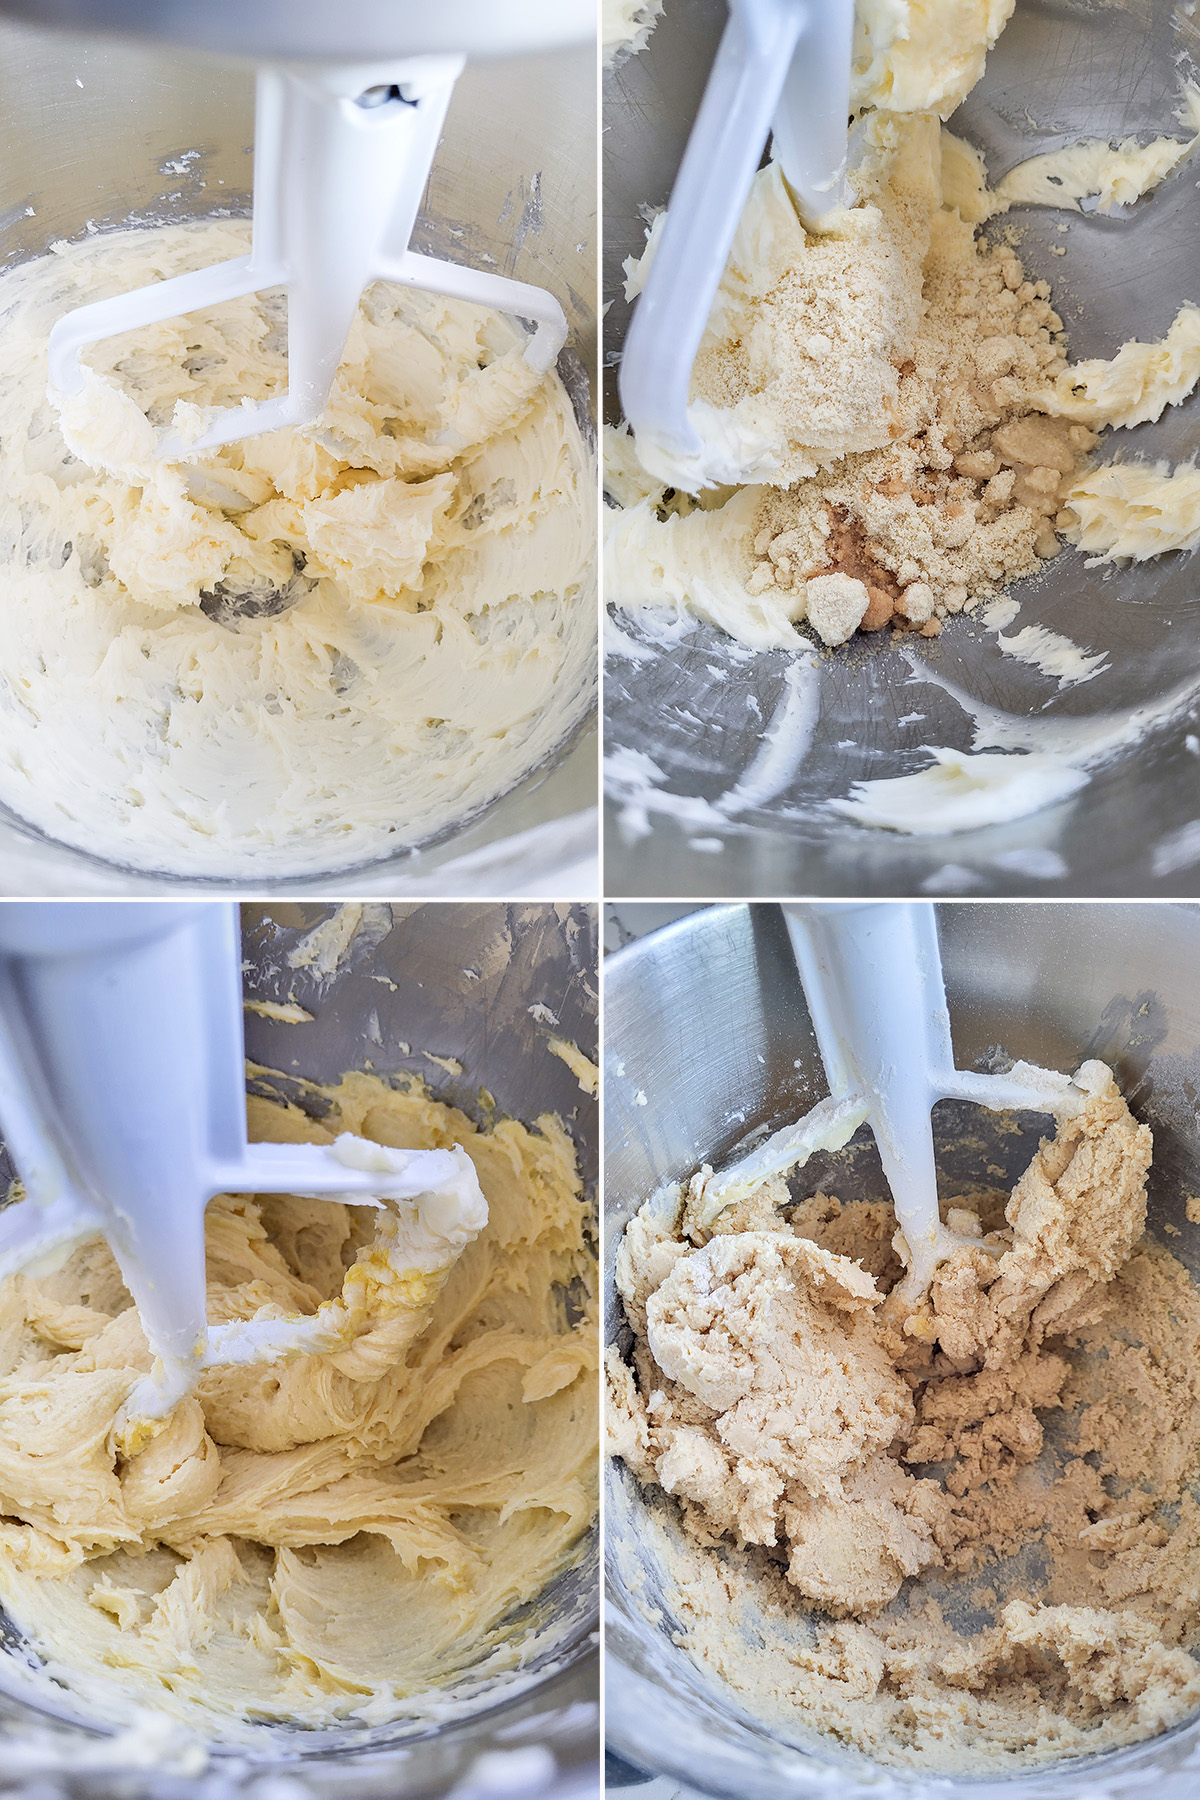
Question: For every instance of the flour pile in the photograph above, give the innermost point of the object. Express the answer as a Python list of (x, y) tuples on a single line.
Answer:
[(305, 650), (961, 1540), (888, 398), (331, 1539)]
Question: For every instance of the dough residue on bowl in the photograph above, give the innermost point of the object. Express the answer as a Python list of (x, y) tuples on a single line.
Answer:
[(335, 1539), (960, 1540), (626, 26), (305, 650)]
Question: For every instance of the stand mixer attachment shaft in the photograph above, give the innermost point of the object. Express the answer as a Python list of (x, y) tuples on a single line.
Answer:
[(872, 977), (782, 67), (342, 154), (123, 1104)]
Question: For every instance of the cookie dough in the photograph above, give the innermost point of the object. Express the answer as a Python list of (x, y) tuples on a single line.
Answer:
[(960, 1539), (305, 650), (331, 1539)]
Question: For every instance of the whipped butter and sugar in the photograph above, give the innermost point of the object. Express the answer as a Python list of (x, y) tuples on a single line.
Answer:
[(304, 650), (888, 400), (347, 1536), (429, 1208)]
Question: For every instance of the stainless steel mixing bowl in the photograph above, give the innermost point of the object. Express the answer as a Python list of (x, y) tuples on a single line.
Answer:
[(99, 133), (303, 28), (1063, 69), (457, 980), (705, 1023)]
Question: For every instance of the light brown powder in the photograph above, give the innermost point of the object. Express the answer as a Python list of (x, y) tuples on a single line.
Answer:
[(819, 349), (963, 501)]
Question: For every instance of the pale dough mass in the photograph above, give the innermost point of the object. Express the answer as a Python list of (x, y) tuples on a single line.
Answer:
[(1021, 1452), (331, 1538), (301, 651)]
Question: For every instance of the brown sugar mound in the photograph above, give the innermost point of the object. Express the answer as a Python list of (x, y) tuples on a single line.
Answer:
[(849, 554)]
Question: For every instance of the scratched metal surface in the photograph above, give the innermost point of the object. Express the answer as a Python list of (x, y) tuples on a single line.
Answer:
[(1061, 70), (708, 1041)]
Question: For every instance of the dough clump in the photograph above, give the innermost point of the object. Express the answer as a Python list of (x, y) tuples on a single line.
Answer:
[(1017, 1448), (836, 606), (332, 1538)]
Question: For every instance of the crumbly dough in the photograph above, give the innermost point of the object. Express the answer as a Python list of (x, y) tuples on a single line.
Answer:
[(877, 385), (857, 1484), (304, 650), (329, 1538), (888, 398)]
